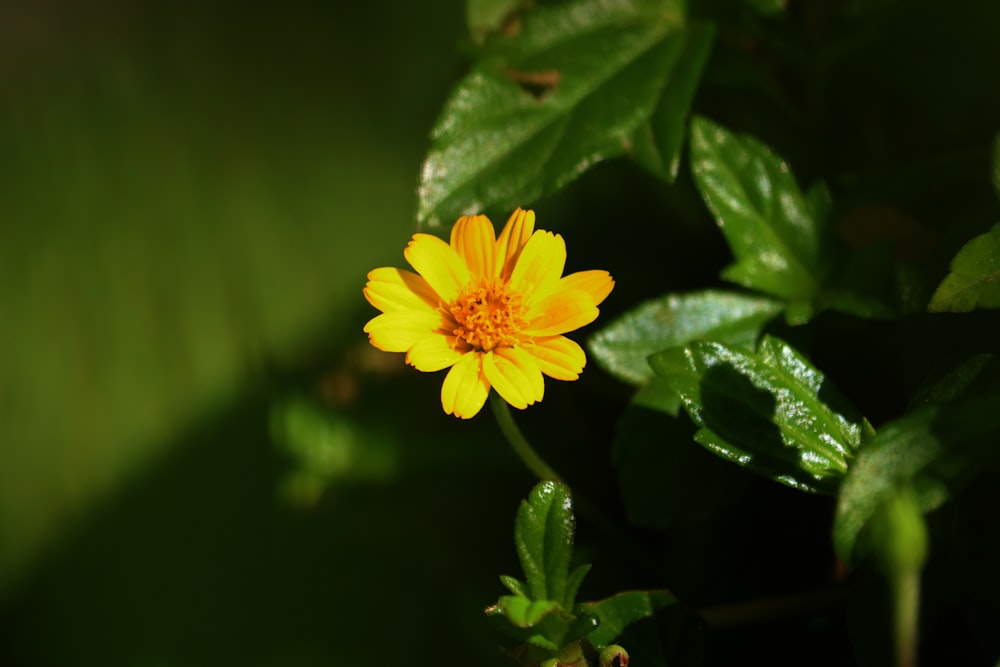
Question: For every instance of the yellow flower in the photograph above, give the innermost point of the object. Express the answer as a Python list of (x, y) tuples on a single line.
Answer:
[(492, 309)]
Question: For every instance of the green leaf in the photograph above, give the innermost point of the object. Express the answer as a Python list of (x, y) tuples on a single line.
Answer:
[(658, 142), (623, 346), (768, 222), (539, 611), (936, 449), (514, 585), (619, 611), (541, 623), (525, 613), (974, 281), (569, 89), (543, 536), (573, 583), (658, 395), (770, 411)]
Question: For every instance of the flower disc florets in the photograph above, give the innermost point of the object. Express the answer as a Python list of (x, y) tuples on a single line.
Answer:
[(488, 315)]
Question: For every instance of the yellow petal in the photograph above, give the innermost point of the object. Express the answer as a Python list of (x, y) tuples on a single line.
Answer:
[(596, 283), (539, 266), (465, 387), (515, 234), (439, 264), (475, 242), (559, 313), (515, 375), (559, 357), (391, 289), (529, 366), (432, 353), (399, 331)]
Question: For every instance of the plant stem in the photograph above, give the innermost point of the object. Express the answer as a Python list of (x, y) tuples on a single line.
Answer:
[(622, 540), (518, 442), (907, 592)]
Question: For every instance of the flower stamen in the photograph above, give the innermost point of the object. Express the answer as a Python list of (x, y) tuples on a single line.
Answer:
[(488, 315)]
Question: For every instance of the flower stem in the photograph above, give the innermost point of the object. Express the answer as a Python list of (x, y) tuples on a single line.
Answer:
[(518, 442), (622, 540)]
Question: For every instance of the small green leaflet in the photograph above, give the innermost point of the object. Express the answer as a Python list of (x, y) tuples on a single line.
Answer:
[(774, 230), (619, 611), (974, 280), (543, 536), (934, 449)]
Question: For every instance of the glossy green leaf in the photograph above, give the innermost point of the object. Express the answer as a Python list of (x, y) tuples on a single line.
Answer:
[(658, 395), (568, 89), (768, 222), (974, 280), (543, 536), (623, 346), (770, 411), (616, 613), (539, 611), (657, 143), (936, 449)]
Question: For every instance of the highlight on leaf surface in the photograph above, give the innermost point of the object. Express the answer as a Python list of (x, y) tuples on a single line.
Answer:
[(776, 232), (623, 346), (770, 410), (542, 612), (492, 309), (576, 83)]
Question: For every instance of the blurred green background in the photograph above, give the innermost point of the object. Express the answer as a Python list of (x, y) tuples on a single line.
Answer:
[(190, 197)]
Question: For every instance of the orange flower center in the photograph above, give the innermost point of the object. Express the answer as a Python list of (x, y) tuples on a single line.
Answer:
[(488, 315)]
